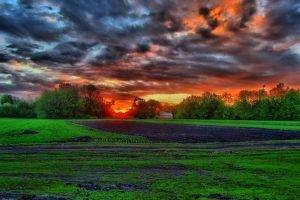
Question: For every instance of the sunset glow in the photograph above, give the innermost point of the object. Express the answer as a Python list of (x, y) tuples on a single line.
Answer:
[(162, 50)]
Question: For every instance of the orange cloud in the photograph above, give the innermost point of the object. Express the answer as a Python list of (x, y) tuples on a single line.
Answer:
[(228, 14)]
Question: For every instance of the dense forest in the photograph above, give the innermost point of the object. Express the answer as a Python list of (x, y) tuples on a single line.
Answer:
[(69, 102)]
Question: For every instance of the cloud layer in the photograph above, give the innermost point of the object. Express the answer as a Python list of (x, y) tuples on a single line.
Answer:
[(141, 47)]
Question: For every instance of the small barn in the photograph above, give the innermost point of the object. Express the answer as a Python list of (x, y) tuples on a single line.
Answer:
[(165, 115)]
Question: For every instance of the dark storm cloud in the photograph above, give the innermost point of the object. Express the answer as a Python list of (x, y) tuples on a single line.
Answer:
[(143, 47), (248, 10), (283, 18), (23, 22), (64, 53), (206, 33), (148, 45), (4, 58), (211, 21), (165, 19), (102, 19), (21, 47), (289, 60), (20, 82)]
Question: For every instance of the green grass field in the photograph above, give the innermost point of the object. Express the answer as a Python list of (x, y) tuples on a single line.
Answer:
[(112, 166), (54, 131)]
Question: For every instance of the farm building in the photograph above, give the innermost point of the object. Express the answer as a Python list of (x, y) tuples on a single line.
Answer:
[(165, 115)]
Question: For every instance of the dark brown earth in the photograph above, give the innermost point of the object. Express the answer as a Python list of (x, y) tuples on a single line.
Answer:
[(11, 196), (29, 132), (120, 186), (190, 133)]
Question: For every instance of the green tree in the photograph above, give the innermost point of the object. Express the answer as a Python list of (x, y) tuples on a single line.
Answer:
[(211, 106), (207, 106), (7, 99), (12, 107), (279, 90), (187, 109), (60, 103), (146, 109), (290, 106), (8, 110), (25, 109), (243, 106)]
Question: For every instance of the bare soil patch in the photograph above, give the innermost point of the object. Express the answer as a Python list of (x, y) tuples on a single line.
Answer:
[(29, 132), (119, 186), (190, 133), (77, 139), (12, 196)]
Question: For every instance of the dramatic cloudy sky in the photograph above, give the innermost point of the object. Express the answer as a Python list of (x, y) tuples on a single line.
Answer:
[(159, 48)]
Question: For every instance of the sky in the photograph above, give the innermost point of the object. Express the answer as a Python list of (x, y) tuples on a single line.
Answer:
[(162, 49)]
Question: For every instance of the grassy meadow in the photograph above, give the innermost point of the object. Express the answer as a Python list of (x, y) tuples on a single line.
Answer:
[(55, 162), (54, 131)]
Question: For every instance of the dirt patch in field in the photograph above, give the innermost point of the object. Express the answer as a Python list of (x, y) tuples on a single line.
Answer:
[(190, 133), (219, 196), (11, 196), (157, 148), (22, 133), (29, 132), (119, 186), (80, 139)]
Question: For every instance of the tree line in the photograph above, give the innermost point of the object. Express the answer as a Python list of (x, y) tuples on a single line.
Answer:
[(280, 103), (68, 101), (65, 102)]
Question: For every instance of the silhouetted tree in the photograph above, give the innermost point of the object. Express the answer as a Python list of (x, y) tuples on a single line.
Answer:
[(93, 103), (279, 90)]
